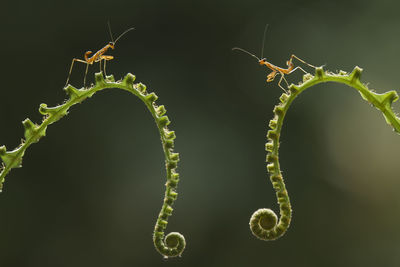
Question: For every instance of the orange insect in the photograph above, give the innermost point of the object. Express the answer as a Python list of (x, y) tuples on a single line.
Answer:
[(275, 69), (98, 56)]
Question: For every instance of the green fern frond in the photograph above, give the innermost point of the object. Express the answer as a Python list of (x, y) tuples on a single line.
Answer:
[(174, 243), (264, 223)]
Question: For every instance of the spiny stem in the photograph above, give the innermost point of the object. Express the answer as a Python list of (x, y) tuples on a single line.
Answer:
[(174, 243), (264, 223)]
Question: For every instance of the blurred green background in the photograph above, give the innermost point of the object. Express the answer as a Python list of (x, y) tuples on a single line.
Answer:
[(90, 191)]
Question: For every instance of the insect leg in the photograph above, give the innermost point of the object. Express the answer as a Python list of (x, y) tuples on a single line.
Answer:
[(271, 76), (70, 69), (280, 80), (105, 58), (299, 59), (298, 67), (84, 79)]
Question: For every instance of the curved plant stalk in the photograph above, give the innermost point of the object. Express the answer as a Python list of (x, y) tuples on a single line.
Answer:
[(264, 222), (174, 243)]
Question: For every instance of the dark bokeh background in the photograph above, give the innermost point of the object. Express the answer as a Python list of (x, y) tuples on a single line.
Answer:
[(90, 191)]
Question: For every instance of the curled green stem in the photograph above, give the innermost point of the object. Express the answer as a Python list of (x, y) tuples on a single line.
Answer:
[(264, 223), (174, 243)]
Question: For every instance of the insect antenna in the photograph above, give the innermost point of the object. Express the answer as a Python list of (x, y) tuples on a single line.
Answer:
[(247, 52), (109, 30), (263, 41), (123, 34)]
